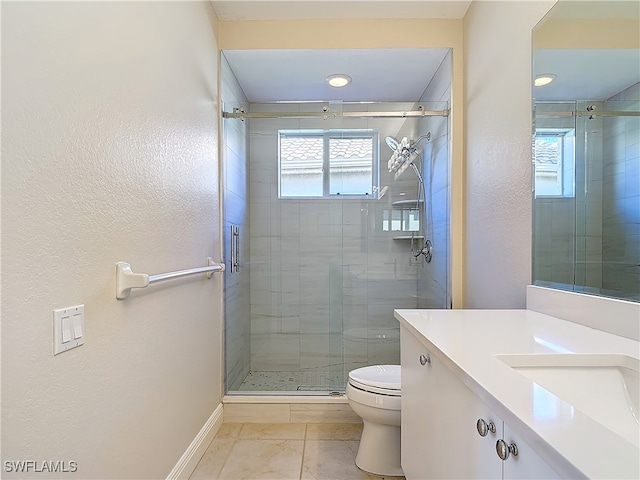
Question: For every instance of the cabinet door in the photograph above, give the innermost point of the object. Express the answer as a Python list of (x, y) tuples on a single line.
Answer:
[(416, 424), (439, 416), (527, 464)]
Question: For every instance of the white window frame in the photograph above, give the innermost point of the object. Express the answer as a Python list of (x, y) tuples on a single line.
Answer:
[(327, 135), (566, 167)]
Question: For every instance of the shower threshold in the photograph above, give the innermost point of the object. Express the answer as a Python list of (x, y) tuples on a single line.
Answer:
[(320, 389), (309, 394), (292, 383)]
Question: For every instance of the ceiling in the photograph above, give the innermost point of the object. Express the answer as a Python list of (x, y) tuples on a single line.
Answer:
[(589, 73), (586, 74), (393, 75), (590, 9), (379, 75), (401, 75), (304, 9)]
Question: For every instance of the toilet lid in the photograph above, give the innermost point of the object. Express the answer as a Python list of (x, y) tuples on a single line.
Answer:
[(381, 376)]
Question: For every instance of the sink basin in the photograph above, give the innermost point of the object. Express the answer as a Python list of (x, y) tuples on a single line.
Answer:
[(605, 387)]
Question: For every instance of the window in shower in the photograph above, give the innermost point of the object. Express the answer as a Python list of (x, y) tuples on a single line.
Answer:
[(327, 163), (554, 162)]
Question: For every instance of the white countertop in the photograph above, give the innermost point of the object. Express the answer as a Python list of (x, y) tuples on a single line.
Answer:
[(571, 442)]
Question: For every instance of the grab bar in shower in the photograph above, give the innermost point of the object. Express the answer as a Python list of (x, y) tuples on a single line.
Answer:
[(126, 279)]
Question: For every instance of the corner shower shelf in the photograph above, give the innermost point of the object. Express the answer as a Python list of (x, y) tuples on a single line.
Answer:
[(408, 237)]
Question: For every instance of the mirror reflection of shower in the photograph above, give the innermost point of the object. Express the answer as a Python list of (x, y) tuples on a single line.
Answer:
[(405, 152)]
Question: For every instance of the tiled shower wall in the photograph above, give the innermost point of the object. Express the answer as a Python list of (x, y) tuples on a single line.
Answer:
[(235, 203), (434, 278), (325, 277), (621, 199), (554, 218)]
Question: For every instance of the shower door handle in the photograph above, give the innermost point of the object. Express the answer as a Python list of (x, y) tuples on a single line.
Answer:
[(235, 249), (237, 260)]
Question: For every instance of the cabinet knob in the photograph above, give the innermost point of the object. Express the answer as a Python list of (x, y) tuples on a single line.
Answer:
[(424, 359), (504, 450), (483, 427)]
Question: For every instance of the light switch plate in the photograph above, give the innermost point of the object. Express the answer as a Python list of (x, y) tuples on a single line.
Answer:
[(68, 324)]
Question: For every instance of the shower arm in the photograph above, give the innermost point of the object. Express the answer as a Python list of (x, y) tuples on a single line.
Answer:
[(422, 137)]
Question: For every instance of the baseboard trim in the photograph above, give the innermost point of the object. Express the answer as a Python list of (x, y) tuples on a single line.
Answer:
[(192, 455)]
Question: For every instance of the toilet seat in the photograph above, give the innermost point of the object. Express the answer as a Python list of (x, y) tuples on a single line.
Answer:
[(380, 379), (371, 389)]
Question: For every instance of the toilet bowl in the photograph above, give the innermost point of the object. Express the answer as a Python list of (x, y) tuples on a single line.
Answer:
[(374, 395)]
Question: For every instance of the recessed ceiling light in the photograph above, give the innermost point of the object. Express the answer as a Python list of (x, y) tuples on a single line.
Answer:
[(338, 80), (544, 79)]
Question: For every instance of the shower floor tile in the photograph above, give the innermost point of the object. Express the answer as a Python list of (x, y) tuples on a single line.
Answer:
[(293, 382)]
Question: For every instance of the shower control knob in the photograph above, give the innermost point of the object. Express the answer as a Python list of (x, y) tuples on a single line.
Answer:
[(483, 427), (504, 450), (424, 359)]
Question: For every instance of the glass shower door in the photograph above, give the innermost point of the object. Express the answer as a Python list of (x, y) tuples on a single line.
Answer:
[(586, 220), (608, 197), (325, 267)]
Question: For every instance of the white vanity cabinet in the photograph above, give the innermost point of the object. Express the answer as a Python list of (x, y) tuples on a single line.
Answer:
[(440, 431), (527, 464)]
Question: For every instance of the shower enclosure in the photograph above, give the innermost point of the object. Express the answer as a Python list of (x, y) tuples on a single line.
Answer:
[(319, 237), (587, 195)]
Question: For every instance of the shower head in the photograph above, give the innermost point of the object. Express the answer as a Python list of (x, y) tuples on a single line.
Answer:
[(404, 152), (392, 143)]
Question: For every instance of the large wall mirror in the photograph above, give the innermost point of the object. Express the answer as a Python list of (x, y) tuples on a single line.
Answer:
[(586, 98)]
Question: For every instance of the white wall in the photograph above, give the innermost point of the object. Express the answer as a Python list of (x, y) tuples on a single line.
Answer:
[(497, 52), (109, 153)]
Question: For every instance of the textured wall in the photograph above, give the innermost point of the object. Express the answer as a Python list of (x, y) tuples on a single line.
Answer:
[(109, 153), (497, 69)]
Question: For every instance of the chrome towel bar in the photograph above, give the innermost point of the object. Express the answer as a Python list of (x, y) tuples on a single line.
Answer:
[(126, 279)]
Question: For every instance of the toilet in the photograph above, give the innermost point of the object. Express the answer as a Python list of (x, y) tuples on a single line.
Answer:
[(374, 395)]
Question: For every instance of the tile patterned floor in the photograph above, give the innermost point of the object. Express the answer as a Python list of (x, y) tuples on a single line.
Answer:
[(283, 451)]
